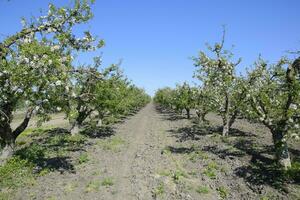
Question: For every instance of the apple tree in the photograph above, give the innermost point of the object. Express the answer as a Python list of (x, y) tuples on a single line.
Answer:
[(273, 98), (35, 64)]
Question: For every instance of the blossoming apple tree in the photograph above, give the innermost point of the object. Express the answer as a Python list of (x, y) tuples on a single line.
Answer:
[(273, 98), (35, 64), (218, 75)]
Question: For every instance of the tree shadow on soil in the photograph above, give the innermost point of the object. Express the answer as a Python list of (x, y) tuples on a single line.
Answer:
[(260, 170), (195, 132), (169, 114), (48, 150), (180, 150), (98, 132)]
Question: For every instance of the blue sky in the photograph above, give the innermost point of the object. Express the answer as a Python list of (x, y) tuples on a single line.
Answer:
[(156, 38)]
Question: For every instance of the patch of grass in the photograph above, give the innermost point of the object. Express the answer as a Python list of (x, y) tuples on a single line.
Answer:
[(32, 153), (70, 187), (194, 156), (5, 195), (107, 182), (159, 190), (210, 170), (166, 151), (223, 192), (293, 173), (96, 173), (213, 165), (224, 169), (83, 158), (202, 190), (210, 173), (76, 139), (44, 172), (16, 173), (165, 173), (178, 174), (192, 173), (93, 186), (112, 144)]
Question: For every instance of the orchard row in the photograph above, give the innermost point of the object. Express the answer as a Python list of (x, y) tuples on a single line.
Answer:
[(269, 93), (38, 75)]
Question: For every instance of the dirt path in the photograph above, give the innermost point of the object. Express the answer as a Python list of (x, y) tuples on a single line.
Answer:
[(154, 155), (123, 166)]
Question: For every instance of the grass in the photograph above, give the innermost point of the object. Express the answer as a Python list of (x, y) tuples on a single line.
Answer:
[(194, 156), (112, 144), (211, 169), (159, 190), (35, 148), (107, 182), (210, 173), (293, 173), (178, 175), (223, 192), (93, 186), (70, 187), (202, 190), (16, 173), (83, 158)]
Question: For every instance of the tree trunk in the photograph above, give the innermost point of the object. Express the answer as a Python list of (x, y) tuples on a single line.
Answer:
[(188, 113), (7, 152), (9, 136), (201, 116), (282, 154), (8, 143), (226, 120), (226, 127), (99, 124), (75, 129)]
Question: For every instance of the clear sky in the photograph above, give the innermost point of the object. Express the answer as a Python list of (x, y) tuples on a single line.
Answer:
[(156, 38)]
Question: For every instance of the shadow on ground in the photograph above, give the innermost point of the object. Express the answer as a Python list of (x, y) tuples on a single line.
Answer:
[(50, 149), (256, 164), (98, 132)]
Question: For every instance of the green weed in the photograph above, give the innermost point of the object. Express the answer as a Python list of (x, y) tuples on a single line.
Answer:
[(107, 182), (83, 158), (93, 186), (202, 190), (223, 192)]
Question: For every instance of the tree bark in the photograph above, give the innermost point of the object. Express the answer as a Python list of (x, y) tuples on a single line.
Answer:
[(282, 154), (188, 113), (226, 120), (75, 129), (9, 137), (8, 143), (7, 152), (201, 116), (99, 124), (226, 127)]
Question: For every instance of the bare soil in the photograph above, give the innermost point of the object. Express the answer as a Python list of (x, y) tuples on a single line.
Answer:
[(157, 154)]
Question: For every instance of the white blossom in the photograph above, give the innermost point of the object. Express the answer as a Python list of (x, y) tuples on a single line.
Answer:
[(293, 106), (58, 83)]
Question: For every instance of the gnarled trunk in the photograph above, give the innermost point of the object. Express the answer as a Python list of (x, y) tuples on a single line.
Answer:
[(8, 143), (9, 137), (75, 129), (201, 116), (188, 113), (226, 127), (282, 154), (7, 152), (99, 123), (226, 115)]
